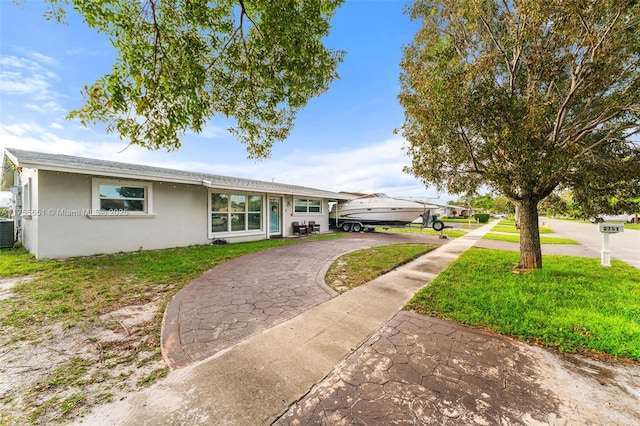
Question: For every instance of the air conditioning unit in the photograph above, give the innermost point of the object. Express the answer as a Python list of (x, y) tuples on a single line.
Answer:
[(6, 234)]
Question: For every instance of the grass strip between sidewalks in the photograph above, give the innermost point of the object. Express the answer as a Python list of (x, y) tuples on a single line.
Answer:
[(513, 238), (360, 266), (451, 233), (512, 229), (572, 303)]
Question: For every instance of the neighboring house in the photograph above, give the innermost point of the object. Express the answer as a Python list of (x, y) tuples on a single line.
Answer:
[(449, 210), (73, 206)]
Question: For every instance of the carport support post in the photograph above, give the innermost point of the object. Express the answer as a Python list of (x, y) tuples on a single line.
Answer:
[(606, 253)]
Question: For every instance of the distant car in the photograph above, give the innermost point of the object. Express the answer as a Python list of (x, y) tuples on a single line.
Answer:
[(500, 215), (633, 219)]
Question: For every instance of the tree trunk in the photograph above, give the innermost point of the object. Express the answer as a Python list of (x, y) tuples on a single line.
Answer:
[(530, 250)]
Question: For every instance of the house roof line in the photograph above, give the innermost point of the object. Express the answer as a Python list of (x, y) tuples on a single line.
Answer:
[(83, 165)]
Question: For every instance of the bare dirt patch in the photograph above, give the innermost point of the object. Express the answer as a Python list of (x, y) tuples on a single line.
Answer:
[(65, 371), (8, 283)]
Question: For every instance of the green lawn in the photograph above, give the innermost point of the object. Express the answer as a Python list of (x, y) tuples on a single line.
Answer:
[(516, 239), (449, 232), (573, 304), (467, 221), (358, 267), (79, 289), (512, 229)]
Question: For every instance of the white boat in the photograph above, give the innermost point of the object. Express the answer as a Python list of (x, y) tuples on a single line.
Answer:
[(377, 210)]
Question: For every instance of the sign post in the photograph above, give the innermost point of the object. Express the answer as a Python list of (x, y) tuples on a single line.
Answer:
[(606, 229)]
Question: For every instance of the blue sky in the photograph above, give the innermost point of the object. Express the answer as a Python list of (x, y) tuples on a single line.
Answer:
[(342, 141)]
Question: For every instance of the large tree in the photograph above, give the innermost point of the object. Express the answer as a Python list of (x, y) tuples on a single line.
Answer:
[(523, 96), (180, 62)]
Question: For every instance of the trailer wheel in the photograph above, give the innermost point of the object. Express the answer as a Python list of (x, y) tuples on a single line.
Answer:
[(356, 227), (438, 225), (346, 227)]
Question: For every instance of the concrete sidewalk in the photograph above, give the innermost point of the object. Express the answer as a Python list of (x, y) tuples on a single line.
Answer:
[(255, 381)]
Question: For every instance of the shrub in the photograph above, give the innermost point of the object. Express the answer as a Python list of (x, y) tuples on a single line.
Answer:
[(482, 217)]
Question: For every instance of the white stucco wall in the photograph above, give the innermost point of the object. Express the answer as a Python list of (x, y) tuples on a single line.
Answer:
[(291, 216), (29, 210), (180, 219), (60, 226)]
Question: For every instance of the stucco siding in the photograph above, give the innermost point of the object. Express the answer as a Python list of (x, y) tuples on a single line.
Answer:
[(291, 216), (29, 210), (179, 219)]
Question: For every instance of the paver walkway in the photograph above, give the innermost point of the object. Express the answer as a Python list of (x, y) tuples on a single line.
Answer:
[(250, 294), (419, 370)]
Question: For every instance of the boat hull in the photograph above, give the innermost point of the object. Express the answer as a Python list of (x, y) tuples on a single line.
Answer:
[(380, 211)]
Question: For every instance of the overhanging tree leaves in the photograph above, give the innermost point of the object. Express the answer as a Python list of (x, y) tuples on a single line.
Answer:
[(523, 96), (181, 62)]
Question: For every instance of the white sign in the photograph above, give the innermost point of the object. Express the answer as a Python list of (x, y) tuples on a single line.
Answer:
[(610, 228), (606, 229)]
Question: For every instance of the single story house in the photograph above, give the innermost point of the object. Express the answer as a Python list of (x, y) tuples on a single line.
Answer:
[(449, 210), (73, 206)]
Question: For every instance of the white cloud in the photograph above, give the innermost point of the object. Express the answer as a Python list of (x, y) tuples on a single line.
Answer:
[(24, 76), (81, 51), (43, 58), (375, 168)]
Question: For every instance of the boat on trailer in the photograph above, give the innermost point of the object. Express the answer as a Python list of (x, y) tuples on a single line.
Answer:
[(368, 211)]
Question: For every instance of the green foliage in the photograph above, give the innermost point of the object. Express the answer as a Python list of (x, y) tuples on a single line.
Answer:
[(553, 205), (482, 217), (574, 304), (523, 97), (180, 62)]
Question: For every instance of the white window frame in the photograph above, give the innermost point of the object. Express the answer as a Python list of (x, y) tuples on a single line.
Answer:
[(97, 212), (245, 231), (307, 200)]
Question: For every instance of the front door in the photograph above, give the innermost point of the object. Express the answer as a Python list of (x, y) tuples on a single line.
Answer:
[(274, 216)]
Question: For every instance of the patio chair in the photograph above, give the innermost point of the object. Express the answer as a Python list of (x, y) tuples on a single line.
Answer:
[(315, 227), (299, 229)]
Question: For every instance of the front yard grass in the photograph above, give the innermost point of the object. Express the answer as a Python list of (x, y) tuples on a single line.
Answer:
[(572, 303), (79, 289), (513, 230), (358, 267), (514, 238), (449, 232), (69, 298)]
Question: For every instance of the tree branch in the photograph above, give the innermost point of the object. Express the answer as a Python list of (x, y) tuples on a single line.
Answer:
[(467, 142)]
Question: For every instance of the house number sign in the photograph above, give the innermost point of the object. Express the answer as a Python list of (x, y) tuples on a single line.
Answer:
[(611, 228), (605, 230)]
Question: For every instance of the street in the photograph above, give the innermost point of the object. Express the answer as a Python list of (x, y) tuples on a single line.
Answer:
[(624, 246)]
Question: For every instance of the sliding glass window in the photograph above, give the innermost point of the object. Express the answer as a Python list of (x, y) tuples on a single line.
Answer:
[(233, 212), (306, 206)]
